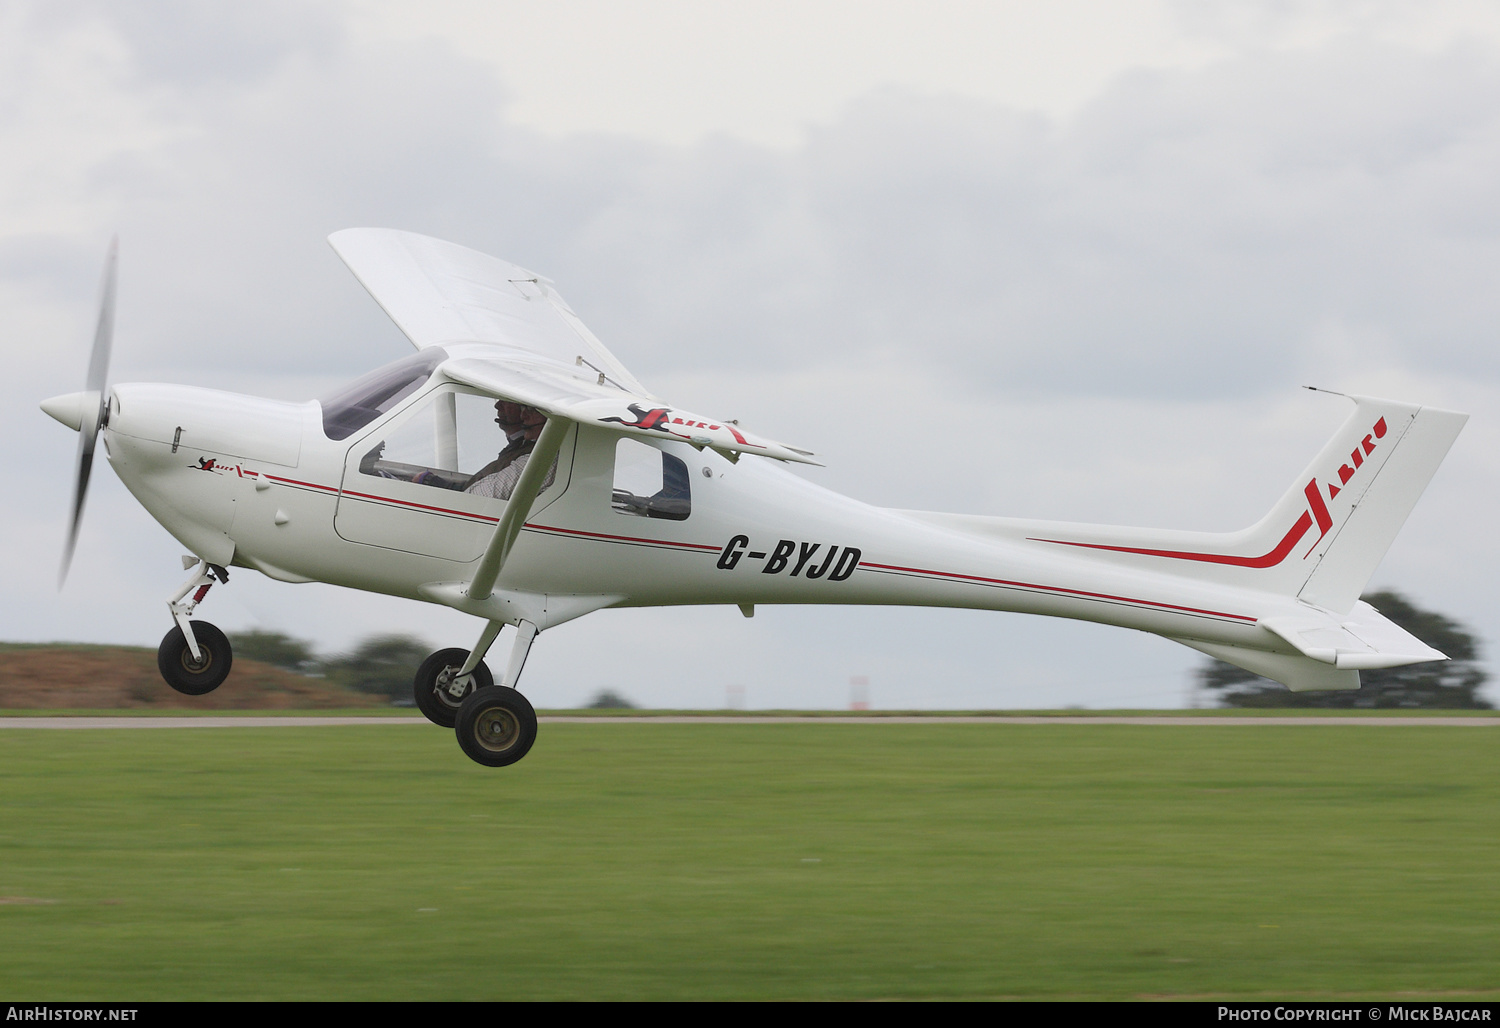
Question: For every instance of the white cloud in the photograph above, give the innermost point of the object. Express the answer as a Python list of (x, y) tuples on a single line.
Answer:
[(962, 305), (676, 71)]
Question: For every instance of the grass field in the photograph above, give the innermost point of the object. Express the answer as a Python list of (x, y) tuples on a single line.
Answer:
[(795, 861)]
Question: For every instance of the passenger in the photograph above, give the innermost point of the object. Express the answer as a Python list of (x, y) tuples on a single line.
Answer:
[(522, 426)]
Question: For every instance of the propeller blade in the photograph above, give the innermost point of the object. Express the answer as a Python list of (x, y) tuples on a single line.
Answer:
[(97, 398)]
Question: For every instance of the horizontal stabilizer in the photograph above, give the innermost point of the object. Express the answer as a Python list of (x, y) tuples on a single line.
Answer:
[(1331, 649), (1360, 639), (1293, 670)]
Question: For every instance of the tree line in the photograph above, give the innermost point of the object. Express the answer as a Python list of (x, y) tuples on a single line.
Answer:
[(383, 665), (380, 664)]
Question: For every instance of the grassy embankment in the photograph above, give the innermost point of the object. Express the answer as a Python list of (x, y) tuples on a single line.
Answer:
[(76, 677), (39, 679)]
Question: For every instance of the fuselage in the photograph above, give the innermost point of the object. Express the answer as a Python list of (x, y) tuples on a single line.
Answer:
[(260, 484)]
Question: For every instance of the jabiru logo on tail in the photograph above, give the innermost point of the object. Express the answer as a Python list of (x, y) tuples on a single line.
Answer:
[(1316, 513)]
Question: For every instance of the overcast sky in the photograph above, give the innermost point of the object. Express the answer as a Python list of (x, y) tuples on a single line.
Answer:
[(1076, 258)]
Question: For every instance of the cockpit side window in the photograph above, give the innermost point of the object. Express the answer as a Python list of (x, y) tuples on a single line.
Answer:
[(649, 483), (367, 398), (454, 439)]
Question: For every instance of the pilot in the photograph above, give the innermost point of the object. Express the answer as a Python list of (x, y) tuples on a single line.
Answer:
[(522, 426)]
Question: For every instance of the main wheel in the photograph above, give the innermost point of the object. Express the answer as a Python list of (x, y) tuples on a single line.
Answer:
[(496, 726), (433, 688), (194, 677)]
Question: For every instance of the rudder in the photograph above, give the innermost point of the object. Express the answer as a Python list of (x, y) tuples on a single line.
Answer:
[(1367, 505)]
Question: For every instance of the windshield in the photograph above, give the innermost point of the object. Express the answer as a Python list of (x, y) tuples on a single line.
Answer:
[(368, 397)]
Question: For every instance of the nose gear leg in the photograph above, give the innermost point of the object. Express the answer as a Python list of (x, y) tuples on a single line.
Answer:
[(203, 577)]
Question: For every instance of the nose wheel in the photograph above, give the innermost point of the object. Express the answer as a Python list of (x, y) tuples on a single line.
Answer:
[(195, 656), (194, 674)]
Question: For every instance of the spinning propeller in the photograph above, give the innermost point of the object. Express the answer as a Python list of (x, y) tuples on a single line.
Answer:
[(86, 411)]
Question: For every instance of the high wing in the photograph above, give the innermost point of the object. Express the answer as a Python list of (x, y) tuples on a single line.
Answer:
[(438, 292), (539, 353), (563, 392)]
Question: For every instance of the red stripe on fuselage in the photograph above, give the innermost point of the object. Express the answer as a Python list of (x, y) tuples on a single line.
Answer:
[(605, 537), (1292, 536), (293, 481), (706, 547), (422, 506), (1265, 560)]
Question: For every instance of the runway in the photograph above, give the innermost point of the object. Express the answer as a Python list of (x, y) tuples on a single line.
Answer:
[(65, 723)]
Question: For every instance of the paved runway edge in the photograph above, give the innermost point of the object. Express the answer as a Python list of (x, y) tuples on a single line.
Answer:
[(710, 719)]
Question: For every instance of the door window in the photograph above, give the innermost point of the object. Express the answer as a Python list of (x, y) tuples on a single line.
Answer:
[(649, 483), (458, 441)]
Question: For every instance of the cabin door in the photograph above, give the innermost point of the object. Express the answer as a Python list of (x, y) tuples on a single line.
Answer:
[(405, 481)]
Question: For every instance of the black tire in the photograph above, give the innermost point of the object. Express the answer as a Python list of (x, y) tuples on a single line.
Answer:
[(496, 726), (430, 687), (195, 677)]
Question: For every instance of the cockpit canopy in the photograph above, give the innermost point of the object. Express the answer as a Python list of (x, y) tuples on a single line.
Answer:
[(369, 396)]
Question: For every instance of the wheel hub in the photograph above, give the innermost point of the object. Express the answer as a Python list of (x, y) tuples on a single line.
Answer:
[(497, 729), (451, 687), (196, 667)]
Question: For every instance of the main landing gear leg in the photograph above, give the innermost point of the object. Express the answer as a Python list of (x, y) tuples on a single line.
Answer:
[(497, 725), (525, 635), (194, 657)]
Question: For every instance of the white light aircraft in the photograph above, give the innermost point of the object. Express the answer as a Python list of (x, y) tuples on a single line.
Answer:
[(513, 469)]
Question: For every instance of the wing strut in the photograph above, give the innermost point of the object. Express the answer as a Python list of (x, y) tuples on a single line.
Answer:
[(519, 505)]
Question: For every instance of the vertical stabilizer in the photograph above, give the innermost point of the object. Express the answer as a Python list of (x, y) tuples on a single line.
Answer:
[(1366, 511)]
